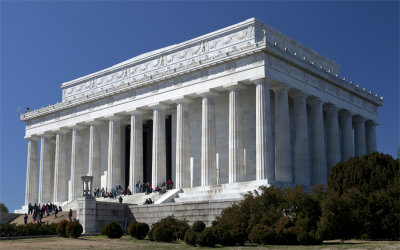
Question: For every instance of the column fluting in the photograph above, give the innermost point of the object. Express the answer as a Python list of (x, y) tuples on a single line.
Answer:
[(370, 130), (333, 136), (265, 168), (31, 172), (283, 153), (237, 171), (114, 153), (136, 150), (94, 153), (208, 141), (182, 145), (359, 136), (302, 166), (159, 171), (318, 150), (346, 126), (45, 194), (60, 170), (76, 163)]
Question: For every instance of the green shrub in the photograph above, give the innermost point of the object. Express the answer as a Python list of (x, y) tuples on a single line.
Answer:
[(198, 226), (60, 230), (138, 230), (206, 238), (191, 237), (370, 188), (221, 235), (178, 227), (30, 229), (73, 229), (112, 230), (162, 233)]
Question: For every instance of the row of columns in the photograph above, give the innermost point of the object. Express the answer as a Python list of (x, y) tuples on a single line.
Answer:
[(274, 159)]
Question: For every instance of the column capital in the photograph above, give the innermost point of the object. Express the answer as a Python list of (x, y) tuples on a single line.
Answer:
[(358, 119), (315, 100), (234, 86), (331, 107), (276, 86), (94, 122), (47, 134), (158, 106), (296, 93), (114, 117), (60, 131), (32, 137), (182, 100), (345, 113), (207, 93), (77, 127), (262, 81), (371, 123), (136, 111)]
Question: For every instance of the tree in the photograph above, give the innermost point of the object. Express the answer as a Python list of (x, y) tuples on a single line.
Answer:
[(3, 208), (362, 199)]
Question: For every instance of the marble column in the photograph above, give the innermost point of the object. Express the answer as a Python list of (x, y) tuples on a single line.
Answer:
[(136, 150), (302, 166), (370, 136), (94, 168), (60, 169), (45, 194), (182, 144), (333, 136), (114, 167), (76, 163), (159, 168), (208, 140), (346, 126), (283, 152), (237, 171), (31, 172), (265, 168), (318, 150), (359, 136)]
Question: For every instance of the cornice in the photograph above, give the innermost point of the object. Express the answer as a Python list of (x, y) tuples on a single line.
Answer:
[(233, 42)]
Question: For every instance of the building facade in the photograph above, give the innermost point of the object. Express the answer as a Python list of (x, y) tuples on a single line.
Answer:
[(239, 104)]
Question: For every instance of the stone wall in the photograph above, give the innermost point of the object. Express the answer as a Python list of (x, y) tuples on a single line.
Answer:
[(205, 211), (107, 212)]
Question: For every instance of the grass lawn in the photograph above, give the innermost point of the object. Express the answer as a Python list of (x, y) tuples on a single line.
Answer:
[(126, 242)]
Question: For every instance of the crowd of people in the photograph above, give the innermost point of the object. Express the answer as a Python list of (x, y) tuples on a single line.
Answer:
[(139, 188), (39, 210)]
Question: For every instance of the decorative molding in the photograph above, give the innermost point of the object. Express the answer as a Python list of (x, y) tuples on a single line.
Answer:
[(197, 55)]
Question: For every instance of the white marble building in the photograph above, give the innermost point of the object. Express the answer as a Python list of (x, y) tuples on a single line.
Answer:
[(244, 103)]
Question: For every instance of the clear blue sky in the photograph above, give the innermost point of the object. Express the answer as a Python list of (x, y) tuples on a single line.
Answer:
[(44, 44)]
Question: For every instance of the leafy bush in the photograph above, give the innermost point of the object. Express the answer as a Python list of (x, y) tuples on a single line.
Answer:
[(3, 208), (161, 233), (191, 237), (138, 230), (60, 230), (206, 238), (112, 230), (178, 227), (198, 226), (73, 229), (30, 229), (362, 199)]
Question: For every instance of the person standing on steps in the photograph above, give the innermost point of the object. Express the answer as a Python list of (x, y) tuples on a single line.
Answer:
[(70, 215)]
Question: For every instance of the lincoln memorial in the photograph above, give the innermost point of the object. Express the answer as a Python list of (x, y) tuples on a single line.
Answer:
[(218, 115)]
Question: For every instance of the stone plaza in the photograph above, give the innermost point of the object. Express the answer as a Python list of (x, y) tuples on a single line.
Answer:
[(219, 115)]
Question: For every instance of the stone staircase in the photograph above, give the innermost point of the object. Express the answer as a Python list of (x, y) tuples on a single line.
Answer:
[(229, 191)]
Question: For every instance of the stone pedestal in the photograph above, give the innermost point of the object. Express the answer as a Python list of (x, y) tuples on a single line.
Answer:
[(87, 214)]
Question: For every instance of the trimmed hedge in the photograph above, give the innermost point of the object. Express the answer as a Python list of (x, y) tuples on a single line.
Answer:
[(60, 230), (112, 230), (30, 229), (73, 229), (138, 230), (191, 237), (178, 227), (206, 238)]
